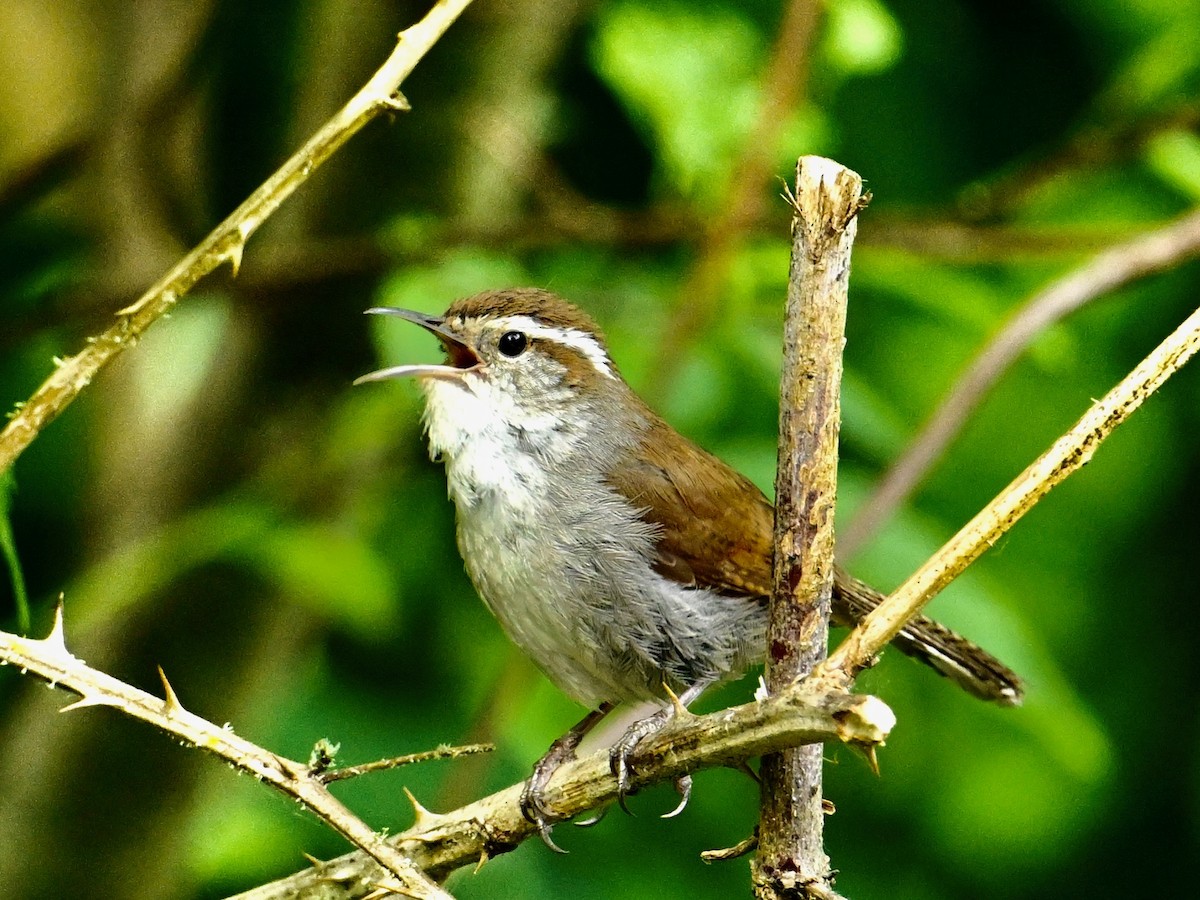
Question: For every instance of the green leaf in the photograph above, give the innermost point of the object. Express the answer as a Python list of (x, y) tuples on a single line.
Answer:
[(314, 564), (1175, 157), (690, 78), (861, 37)]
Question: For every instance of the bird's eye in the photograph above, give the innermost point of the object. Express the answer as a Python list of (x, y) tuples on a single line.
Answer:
[(512, 343)]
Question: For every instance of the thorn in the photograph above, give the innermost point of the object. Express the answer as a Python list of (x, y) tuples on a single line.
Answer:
[(681, 711), (94, 700), (382, 889), (396, 102), (868, 750), (171, 704), (234, 255), (422, 817), (827, 806), (483, 858), (169, 297), (56, 639), (326, 870), (744, 768)]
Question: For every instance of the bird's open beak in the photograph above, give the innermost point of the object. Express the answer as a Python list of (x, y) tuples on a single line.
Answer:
[(462, 358)]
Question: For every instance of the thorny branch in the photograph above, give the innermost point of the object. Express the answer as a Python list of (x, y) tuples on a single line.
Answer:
[(48, 658), (440, 843), (226, 242)]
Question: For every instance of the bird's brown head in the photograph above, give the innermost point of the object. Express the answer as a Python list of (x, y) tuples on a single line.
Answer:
[(520, 358)]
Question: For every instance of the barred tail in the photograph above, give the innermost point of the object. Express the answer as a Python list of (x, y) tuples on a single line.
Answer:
[(973, 668)]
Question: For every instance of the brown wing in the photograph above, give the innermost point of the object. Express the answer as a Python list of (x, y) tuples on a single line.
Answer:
[(716, 524), (717, 534)]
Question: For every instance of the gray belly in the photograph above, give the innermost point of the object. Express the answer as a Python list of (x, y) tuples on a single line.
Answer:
[(583, 603)]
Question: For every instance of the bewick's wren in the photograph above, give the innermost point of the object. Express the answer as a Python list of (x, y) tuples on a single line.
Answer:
[(616, 554)]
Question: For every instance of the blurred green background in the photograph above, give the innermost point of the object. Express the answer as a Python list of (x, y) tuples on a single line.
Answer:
[(223, 503)]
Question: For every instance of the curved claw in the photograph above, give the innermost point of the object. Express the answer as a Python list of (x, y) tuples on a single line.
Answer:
[(618, 761), (536, 813), (592, 820), (683, 784), (544, 833)]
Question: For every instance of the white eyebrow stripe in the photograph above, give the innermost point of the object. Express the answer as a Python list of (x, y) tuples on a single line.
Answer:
[(570, 337)]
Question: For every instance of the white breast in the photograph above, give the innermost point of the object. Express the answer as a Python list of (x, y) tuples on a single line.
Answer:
[(562, 560)]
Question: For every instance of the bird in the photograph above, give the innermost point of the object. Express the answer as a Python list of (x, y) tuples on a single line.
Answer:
[(628, 563)]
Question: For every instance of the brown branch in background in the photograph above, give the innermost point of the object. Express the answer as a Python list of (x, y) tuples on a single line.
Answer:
[(1089, 148), (49, 659), (1068, 454), (783, 84), (279, 269), (38, 177), (1114, 268), (932, 236), (226, 242), (791, 860)]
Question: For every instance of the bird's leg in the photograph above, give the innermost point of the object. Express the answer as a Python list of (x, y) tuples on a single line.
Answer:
[(533, 805), (620, 754)]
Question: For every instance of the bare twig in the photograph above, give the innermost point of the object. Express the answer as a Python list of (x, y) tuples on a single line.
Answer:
[(48, 658), (741, 848), (226, 242), (1069, 453), (381, 765), (791, 860), (930, 235), (1115, 267)]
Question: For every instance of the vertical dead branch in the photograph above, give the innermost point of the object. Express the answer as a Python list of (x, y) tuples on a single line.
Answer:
[(791, 859)]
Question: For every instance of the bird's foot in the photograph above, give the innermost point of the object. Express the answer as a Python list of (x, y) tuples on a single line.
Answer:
[(533, 797), (533, 801), (621, 753)]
